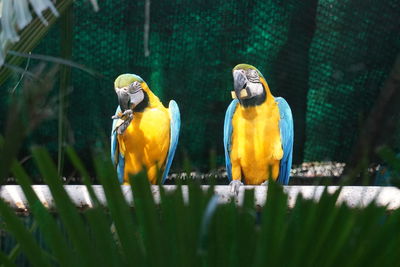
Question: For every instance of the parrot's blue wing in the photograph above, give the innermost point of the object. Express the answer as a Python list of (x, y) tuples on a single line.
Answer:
[(286, 131), (116, 157), (227, 136), (174, 136)]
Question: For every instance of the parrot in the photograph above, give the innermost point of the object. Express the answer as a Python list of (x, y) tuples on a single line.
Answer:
[(258, 132), (144, 133)]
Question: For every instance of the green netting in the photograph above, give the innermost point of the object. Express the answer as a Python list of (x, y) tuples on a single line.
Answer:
[(327, 58), (352, 52)]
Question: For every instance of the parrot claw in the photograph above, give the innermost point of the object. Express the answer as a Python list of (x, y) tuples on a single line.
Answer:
[(124, 119), (235, 185), (265, 183), (127, 113)]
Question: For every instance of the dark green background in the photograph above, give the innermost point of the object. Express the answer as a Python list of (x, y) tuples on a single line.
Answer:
[(328, 59)]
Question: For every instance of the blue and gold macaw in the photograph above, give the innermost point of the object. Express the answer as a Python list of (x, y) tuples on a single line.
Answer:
[(258, 132), (144, 132)]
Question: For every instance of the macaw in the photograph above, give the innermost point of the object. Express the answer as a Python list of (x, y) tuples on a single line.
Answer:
[(144, 132), (258, 132)]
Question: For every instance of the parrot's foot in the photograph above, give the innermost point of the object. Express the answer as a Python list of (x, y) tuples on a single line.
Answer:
[(121, 128), (235, 185), (124, 119), (265, 183), (127, 113)]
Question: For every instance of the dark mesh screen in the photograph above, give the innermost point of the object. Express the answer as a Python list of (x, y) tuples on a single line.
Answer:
[(327, 58)]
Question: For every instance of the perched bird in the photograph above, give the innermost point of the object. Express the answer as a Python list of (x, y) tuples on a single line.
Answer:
[(258, 132), (144, 132)]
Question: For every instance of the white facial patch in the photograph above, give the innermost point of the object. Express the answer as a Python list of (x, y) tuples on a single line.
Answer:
[(136, 98), (255, 88)]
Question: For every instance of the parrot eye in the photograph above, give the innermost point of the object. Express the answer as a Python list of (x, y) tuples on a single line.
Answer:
[(252, 75), (134, 87)]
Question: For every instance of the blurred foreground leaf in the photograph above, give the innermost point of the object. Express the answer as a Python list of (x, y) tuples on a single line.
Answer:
[(197, 231)]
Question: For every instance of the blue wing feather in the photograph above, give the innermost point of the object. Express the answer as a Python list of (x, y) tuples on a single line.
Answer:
[(286, 131), (117, 159), (227, 136), (174, 136)]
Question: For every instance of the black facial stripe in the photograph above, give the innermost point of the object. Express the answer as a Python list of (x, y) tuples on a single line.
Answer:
[(134, 87), (254, 79), (252, 74)]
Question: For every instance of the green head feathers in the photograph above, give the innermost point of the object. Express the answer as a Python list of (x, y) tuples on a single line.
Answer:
[(246, 67), (126, 79)]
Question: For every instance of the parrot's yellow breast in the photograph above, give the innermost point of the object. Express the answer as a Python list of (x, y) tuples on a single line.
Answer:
[(146, 142), (256, 144)]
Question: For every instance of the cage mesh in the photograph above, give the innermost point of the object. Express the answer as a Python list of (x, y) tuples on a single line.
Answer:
[(328, 59)]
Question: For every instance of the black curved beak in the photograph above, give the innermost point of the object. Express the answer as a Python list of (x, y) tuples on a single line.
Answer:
[(129, 101), (239, 84), (123, 99)]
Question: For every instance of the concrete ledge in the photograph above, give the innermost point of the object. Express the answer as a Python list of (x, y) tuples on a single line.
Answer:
[(353, 196)]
